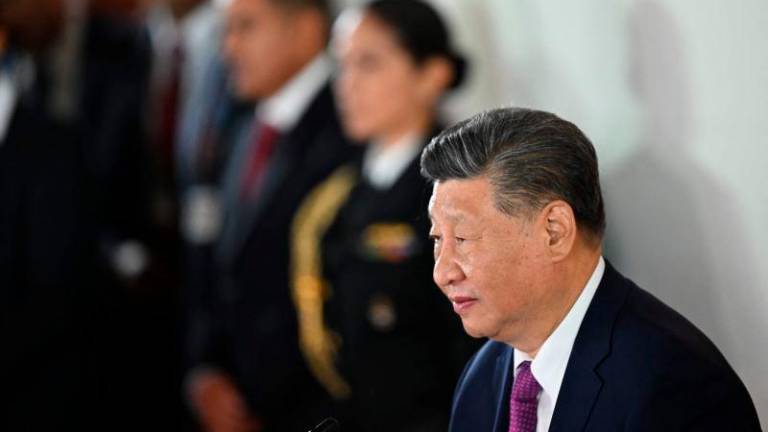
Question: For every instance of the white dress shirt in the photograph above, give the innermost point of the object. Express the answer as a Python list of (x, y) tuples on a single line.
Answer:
[(549, 365), (383, 164), (17, 75)]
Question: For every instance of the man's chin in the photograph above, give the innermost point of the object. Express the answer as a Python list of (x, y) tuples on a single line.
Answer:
[(473, 330), (243, 91), (246, 87), (355, 131)]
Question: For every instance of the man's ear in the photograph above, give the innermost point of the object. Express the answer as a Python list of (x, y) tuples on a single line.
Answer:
[(560, 225)]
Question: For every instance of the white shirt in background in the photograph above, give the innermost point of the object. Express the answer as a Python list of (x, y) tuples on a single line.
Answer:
[(383, 164)]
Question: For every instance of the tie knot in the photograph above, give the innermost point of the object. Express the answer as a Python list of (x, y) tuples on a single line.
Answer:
[(267, 129), (525, 387)]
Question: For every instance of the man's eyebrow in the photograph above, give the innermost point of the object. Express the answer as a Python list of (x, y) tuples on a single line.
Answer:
[(452, 217)]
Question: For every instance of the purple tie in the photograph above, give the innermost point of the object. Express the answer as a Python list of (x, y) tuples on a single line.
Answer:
[(522, 404)]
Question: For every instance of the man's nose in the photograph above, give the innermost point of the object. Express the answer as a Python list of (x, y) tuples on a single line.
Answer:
[(447, 270)]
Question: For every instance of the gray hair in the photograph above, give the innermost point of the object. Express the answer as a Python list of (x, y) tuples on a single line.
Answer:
[(530, 157)]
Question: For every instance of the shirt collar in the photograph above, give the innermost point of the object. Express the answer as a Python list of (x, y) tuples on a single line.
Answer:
[(283, 109), (383, 164), (165, 32), (549, 365), (13, 70), (7, 103)]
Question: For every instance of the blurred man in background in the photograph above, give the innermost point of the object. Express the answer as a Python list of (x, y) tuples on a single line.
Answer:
[(249, 373), (83, 88), (186, 38), (44, 251), (91, 71)]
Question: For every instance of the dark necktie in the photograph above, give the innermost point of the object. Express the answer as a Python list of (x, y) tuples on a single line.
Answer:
[(169, 110), (258, 157), (524, 400)]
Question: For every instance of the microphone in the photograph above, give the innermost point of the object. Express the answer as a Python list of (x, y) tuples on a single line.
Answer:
[(328, 425)]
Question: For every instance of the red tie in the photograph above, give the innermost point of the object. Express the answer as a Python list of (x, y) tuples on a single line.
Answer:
[(169, 110), (259, 153)]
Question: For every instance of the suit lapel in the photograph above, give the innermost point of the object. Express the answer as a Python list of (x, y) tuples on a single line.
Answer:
[(288, 151), (227, 244), (278, 168), (502, 388), (582, 383)]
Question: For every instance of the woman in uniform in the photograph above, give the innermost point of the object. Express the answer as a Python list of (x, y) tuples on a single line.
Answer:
[(375, 330)]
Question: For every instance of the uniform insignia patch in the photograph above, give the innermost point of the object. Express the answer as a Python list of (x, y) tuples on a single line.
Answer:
[(391, 242)]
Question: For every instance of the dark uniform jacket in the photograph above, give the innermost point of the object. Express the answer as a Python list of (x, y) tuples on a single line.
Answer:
[(396, 347)]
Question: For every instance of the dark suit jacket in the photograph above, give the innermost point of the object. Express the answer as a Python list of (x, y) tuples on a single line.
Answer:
[(44, 254), (107, 118), (254, 337), (115, 72), (636, 365), (80, 184)]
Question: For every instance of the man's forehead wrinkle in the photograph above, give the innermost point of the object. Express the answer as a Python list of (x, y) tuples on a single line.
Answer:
[(446, 211), (450, 206), (454, 214)]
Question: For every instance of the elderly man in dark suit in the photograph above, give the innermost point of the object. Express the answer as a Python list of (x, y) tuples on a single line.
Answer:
[(518, 219), (249, 374)]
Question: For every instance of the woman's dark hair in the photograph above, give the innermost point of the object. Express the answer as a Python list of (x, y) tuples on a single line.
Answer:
[(421, 32)]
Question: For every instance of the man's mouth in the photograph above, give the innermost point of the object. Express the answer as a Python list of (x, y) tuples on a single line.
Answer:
[(461, 304)]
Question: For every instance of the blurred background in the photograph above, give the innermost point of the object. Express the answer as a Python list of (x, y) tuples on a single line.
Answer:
[(118, 120)]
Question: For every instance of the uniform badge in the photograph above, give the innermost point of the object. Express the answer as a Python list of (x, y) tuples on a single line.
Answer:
[(391, 242), (381, 313), (201, 215)]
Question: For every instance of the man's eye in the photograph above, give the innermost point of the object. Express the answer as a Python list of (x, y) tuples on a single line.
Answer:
[(460, 240), (434, 238)]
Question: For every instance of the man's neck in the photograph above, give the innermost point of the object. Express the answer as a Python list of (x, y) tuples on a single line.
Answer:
[(419, 124), (576, 272)]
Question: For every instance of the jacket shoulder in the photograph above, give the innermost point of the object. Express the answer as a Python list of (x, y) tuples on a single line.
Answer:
[(476, 399), (653, 330), (669, 369)]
